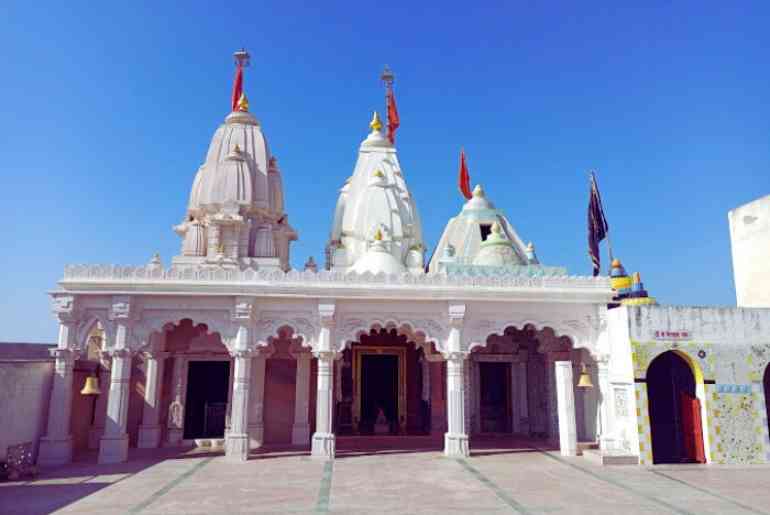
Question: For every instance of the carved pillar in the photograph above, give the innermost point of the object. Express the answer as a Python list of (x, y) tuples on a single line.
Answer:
[(257, 391), (237, 444), (565, 400), (56, 445), (523, 394), (150, 430), (456, 438), (175, 422), (113, 447), (300, 431), (100, 408), (323, 445), (604, 429)]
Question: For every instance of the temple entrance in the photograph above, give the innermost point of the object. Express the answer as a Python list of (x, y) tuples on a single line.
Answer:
[(379, 394), (675, 414), (766, 384), (206, 404), (495, 397)]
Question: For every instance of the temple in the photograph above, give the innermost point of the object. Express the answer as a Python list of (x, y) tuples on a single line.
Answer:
[(231, 347)]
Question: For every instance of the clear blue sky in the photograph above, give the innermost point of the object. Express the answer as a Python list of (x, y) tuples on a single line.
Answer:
[(107, 112)]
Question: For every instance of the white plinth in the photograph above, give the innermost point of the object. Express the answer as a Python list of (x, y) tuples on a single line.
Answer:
[(237, 447), (323, 446), (456, 445), (55, 451)]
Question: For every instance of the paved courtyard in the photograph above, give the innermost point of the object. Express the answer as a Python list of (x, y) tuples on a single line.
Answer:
[(413, 480)]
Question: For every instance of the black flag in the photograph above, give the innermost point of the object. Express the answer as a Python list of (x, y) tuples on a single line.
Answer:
[(597, 225)]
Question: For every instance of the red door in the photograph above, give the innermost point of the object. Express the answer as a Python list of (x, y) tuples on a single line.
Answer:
[(692, 428)]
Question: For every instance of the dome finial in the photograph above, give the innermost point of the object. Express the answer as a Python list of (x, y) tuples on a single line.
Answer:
[(478, 191), (375, 124), (378, 235), (243, 103)]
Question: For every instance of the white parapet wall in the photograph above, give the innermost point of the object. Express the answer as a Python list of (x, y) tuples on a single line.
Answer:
[(750, 242), (25, 388)]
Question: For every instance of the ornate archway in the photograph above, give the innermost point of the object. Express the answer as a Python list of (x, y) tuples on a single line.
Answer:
[(674, 410)]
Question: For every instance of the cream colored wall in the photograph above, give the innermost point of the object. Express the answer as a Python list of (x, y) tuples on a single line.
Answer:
[(750, 242), (25, 388)]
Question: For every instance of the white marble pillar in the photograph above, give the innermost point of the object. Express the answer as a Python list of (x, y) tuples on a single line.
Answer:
[(323, 445), (300, 431), (605, 406), (150, 429), (523, 392), (175, 422), (113, 447), (456, 439), (565, 400), (257, 392), (56, 445), (237, 443), (96, 431)]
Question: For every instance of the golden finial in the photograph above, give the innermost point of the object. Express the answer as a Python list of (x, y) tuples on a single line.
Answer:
[(379, 174), (478, 191), (496, 228), (616, 263), (375, 124), (243, 103), (237, 149), (378, 235)]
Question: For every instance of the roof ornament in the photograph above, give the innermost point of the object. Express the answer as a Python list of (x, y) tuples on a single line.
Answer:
[(478, 191), (375, 124), (243, 103)]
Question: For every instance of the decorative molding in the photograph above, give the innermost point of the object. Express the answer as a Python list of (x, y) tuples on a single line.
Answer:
[(122, 308), (302, 325), (111, 274)]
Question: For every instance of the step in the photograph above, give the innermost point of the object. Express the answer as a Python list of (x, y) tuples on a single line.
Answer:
[(596, 456)]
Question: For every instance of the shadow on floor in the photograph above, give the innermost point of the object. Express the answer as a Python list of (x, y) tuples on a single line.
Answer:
[(56, 487)]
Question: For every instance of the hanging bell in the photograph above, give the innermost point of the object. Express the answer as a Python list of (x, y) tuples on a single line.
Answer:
[(91, 387), (585, 379)]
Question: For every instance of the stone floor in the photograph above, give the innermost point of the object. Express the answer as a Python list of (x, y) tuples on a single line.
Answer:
[(410, 477)]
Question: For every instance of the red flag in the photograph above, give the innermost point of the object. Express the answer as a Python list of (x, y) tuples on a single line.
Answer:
[(465, 178), (237, 86), (393, 121)]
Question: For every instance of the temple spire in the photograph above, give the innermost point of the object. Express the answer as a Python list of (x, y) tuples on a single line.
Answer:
[(242, 59)]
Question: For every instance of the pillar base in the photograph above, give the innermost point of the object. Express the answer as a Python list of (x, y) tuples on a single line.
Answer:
[(237, 447), (149, 437), (55, 451), (113, 449), (175, 437), (300, 434), (456, 445), (323, 446), (256, 436)]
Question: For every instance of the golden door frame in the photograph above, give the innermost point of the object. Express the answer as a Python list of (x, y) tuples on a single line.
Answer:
[(366, 350)]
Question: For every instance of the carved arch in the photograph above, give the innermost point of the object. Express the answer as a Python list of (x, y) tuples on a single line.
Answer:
[(578, 332), (159, 321), (267, 327), (421, 332), (90, 319)]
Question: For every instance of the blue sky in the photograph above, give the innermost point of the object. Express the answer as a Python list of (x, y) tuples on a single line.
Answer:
[(107, 112)]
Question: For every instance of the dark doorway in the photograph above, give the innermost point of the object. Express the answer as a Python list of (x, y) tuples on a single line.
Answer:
[(495, 402), (379, 390), (206, 404), (766, 384), (675, 419)]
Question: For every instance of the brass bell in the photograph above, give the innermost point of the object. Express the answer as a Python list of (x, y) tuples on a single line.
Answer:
[(91, 387), (585, 379)]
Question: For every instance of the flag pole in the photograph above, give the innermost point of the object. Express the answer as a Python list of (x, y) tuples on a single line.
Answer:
[(387, 78)]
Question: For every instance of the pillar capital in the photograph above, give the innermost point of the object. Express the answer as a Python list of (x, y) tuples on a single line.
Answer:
[(455, 356), (326, 311), (456, 315), (244, 353), (64, 308)]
